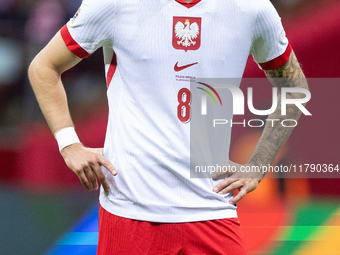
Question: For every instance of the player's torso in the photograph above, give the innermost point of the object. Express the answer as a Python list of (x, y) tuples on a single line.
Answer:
[(156, 34), (160, 45)]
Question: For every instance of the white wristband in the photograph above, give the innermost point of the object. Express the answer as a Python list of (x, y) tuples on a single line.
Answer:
[(65, 137)]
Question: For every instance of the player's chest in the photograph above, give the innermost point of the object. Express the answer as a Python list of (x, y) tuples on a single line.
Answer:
[(151, 32)]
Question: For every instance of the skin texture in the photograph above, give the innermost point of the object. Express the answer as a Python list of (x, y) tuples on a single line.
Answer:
[(273, 136), (45, 77)]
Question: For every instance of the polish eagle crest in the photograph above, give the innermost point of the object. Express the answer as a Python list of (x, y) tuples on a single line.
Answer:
[(186, 33)]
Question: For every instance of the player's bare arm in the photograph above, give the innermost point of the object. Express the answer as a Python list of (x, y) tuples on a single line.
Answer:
[(273, 136), (45, 76), (272, 139)]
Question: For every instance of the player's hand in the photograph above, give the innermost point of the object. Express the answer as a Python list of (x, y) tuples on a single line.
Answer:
[(86, 164), (244, 182)]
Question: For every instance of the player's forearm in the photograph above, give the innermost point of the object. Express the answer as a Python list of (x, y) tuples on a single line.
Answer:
[(275, 134), (50, 94)]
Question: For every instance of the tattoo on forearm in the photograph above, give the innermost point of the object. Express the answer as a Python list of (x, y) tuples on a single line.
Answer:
[(262, 156), (276, 133), (274, 136), (290, 70)]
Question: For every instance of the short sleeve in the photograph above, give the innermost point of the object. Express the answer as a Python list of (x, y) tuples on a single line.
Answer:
[(270, 47), (90, 28)]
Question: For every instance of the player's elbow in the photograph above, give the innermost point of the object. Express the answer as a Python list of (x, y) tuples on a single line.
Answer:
[(32, 69), (37, 65), (33, 72), (40, 71)]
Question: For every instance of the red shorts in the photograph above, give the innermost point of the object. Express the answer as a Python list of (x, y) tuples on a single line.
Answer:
[(122, 236)]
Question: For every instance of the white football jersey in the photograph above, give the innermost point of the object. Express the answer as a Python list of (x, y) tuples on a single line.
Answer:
[(151, 50)]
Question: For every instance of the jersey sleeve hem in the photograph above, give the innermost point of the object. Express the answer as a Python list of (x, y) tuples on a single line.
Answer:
[(71, 44), (279, 61)]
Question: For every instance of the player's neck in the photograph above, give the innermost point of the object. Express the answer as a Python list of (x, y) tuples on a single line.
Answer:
[(188, 1)]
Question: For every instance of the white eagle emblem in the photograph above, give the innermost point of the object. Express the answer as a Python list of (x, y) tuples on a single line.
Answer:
[(186, 33)]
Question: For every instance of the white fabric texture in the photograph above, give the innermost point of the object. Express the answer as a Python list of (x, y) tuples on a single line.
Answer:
[(145, 140)]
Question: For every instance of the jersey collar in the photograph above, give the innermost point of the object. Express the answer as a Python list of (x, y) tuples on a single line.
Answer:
[(188, 5)]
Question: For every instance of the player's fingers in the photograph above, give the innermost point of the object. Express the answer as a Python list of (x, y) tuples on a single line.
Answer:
[(223, 173), (97, 169), (223, 184), (239, 196), (108, 165), (91, 176), (231, 187), (105, 184), (82, 177), (219, 176)]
